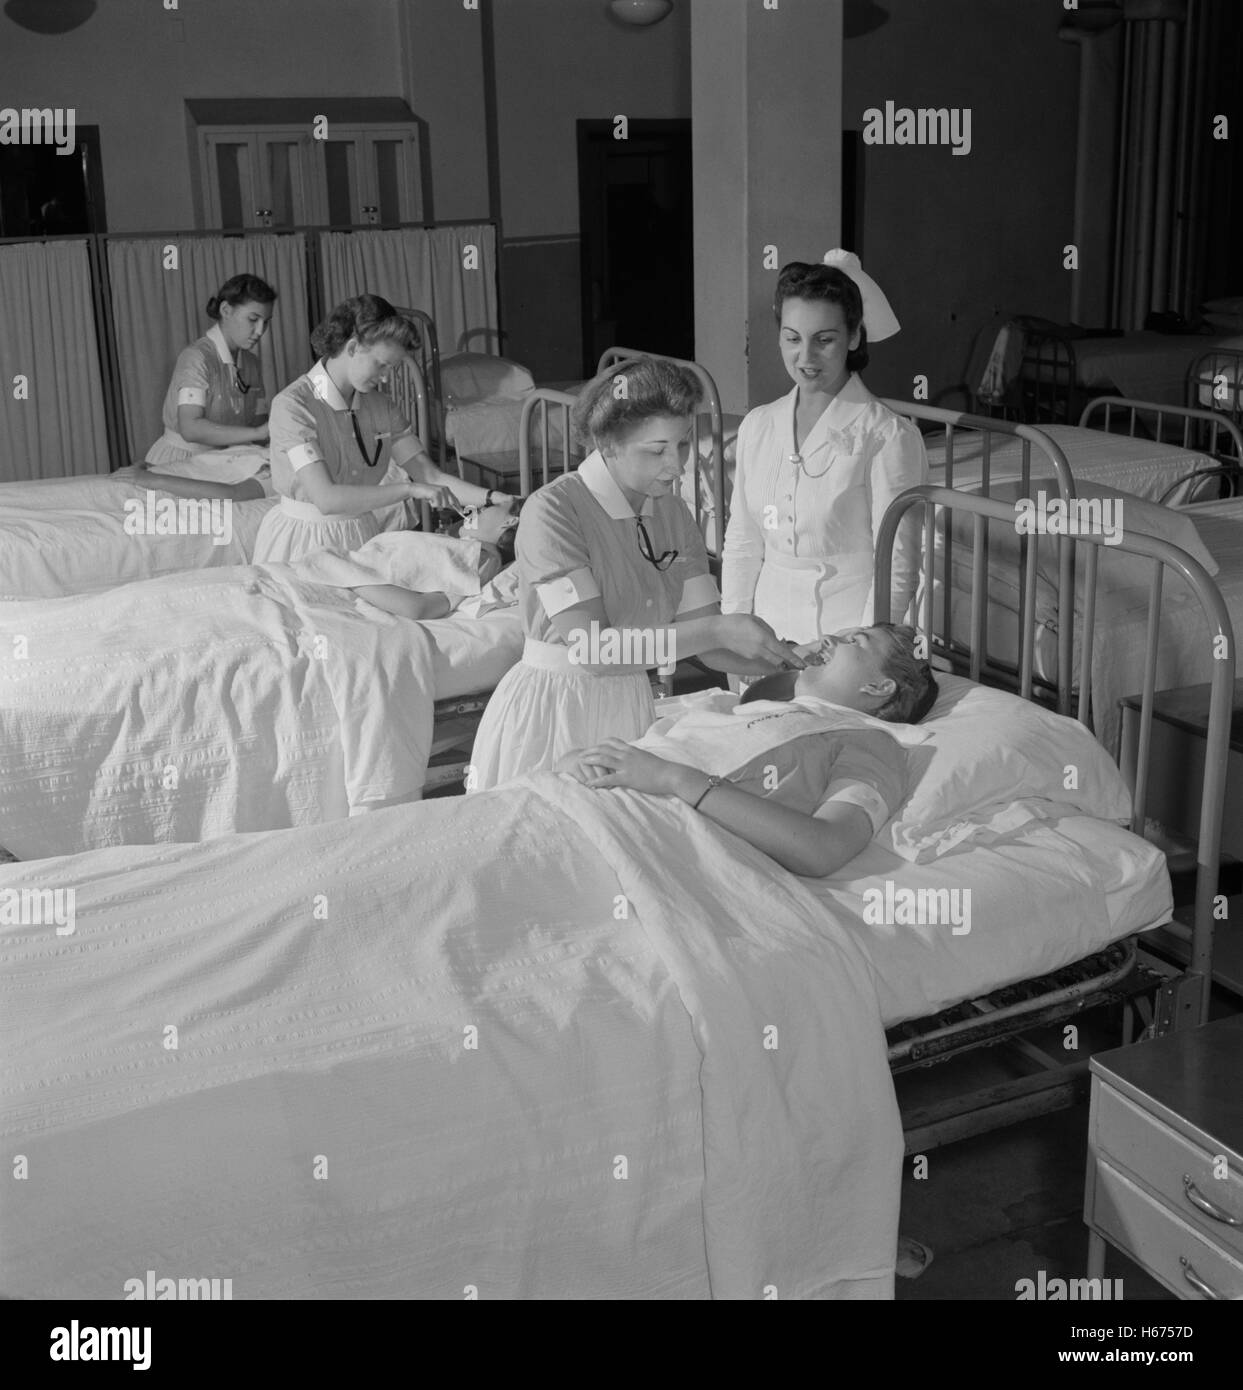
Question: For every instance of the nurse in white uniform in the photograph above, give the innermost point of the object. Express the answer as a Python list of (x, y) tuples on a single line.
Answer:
[(342, 453), (612, 571), (817, 468), (215, 399)]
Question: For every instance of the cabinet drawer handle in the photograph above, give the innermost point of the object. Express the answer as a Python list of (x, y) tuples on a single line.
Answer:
[(1197, 1199), (1197, 1283)]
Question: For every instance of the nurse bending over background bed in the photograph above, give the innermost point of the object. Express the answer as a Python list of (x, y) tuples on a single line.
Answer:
[(816, 469), (608, 550), (215, 399), (341, 450)]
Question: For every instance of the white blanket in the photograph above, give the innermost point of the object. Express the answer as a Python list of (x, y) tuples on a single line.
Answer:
[(626, 1057), (202, 703)]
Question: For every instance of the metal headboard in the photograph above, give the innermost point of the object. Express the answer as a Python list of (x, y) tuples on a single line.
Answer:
[(1215, 381), (1217, 620), (1031, 439), (1206, 430), (408, 388), (433, 434)]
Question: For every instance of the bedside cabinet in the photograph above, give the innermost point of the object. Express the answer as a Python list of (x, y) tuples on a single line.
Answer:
[(1165, 1160)]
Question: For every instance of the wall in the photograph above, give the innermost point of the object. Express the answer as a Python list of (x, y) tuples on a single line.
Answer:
[(559, 61), (955, 239), (131, 66)]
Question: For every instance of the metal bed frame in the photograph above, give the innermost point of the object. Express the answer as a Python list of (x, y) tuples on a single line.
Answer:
[(1117, 974), (943, 642), (1220, 370), (1205, 430), (427, 370)]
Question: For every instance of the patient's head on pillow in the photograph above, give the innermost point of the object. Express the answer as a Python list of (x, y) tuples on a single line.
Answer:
[(490, 526), (871, 669)]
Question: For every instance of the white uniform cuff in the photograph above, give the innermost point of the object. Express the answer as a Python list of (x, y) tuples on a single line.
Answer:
[(866, 798), (698, 592), (302, 455), (559, 594), (192, 395)]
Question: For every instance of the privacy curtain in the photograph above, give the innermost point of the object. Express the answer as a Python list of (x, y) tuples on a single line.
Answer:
[(1167, 107), (158, 310), (48, 353), (421, 268)]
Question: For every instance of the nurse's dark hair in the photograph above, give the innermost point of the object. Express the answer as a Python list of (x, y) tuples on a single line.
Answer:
[(240, 289), (917, 689), (619, 399), (370, 320), (799, 280)]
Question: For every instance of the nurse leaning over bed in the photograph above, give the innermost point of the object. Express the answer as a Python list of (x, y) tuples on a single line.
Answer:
[(215, 399), (817, 468), (612, 568), (341, 450)]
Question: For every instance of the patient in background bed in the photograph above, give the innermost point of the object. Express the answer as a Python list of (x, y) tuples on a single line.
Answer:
[(808, 784)]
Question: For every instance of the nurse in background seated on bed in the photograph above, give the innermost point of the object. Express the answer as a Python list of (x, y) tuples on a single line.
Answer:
[(341, 450), (816, 469), (810, 785), (613, 578), (215, 399)]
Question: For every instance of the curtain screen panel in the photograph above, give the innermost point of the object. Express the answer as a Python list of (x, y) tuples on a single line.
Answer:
[(158, 310), (52, 413)]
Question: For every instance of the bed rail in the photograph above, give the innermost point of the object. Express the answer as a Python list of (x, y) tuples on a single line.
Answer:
[(1032, 441), (535, 408), (1187, 426), (433, 434), (1198, 978), (408, 388), (1215, 381)]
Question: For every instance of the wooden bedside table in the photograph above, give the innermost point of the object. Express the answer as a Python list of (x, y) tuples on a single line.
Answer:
[(1166, 1122)]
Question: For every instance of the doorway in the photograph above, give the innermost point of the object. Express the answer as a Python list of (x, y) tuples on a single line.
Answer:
[(636, 228)]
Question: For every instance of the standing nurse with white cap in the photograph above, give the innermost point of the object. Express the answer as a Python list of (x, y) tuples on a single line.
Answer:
[(817, 468)]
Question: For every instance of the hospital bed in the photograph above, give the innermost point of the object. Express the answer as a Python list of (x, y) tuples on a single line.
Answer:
[(1215, 381), (540, 1042)]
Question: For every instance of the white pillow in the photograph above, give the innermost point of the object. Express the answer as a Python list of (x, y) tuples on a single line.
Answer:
[(476, 376), (988, 750)]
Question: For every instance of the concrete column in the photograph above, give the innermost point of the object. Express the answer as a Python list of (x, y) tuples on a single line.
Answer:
[(766, 105)]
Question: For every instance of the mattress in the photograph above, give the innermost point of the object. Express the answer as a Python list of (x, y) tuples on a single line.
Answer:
[(67, 536), (1143, 366), (1139, 466)]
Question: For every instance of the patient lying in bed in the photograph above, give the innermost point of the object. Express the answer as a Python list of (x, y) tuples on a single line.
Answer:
[(802, 767)]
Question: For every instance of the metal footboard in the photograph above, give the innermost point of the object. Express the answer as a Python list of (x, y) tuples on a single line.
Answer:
[(1185, 426), (433, 431), (1116, 973)]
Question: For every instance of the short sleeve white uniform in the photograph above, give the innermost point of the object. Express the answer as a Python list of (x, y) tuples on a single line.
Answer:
[(800, 546), (579, 540)]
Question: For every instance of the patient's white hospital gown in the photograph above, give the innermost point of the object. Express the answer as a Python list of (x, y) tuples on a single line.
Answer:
[(800, 546), (207, 374), (579, 540)]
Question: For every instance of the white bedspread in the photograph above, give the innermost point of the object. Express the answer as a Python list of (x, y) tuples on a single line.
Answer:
[(202, 703), (627, 1057), (66, 536), (1139, 466)]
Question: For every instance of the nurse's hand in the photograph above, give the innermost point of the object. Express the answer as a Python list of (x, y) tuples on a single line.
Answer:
[(435, 494), (259, 435), (757, 644)]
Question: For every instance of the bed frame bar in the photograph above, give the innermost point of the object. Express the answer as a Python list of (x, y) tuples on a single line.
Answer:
[(980, 663), (433, 432), (537, 404), (1193, 989), (1221, 370), (1200, 429)]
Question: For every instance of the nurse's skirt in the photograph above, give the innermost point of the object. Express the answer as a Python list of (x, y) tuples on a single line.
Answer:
[(546, 707), (293, 530)]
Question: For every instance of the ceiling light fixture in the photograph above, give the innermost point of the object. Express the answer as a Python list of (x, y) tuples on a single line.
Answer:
[(639, 12), (50, 16)]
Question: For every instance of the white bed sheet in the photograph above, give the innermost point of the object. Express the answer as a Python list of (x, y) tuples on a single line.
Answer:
[(754, 1160), (66, 536), (1139, 466), (274, 703)]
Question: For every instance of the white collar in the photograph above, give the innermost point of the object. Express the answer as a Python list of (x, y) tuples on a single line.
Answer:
[(215, 336), (604, 488), (849, 403), (326, 389)]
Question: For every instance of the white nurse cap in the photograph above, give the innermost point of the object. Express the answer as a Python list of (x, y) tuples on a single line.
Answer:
[(879, 320)]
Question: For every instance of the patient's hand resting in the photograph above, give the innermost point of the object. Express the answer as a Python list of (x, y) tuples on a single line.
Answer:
[(617, 763)]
